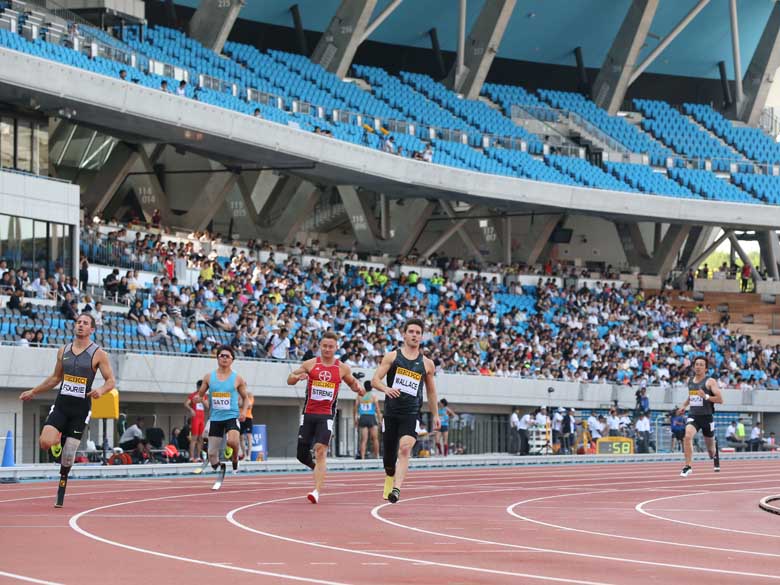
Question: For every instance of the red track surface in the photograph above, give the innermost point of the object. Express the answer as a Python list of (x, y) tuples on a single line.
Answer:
[(607, 524)]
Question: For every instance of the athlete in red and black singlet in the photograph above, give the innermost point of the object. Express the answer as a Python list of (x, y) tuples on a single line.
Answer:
[(322, 389)]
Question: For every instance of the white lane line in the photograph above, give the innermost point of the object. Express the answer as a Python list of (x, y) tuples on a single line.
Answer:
[(512, 512), (231, 518), (74, 524), (640, 507), (375, 514), (28, 579)]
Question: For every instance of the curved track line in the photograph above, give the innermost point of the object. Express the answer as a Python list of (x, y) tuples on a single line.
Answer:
[(375, 514), (73, 522), (230, 516), (640, 507), (28, 579), (510, 510)]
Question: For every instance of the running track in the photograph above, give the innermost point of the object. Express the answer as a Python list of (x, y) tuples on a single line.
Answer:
[(591, 524)]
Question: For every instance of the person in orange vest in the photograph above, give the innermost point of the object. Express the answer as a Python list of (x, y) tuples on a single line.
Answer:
[(246, 427)]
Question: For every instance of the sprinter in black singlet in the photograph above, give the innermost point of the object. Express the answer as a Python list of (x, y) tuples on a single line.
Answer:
[(703, 394), (407, 372), (74, 371)]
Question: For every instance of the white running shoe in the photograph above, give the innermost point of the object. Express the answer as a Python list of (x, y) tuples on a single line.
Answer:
[(313, 496), (686, 471)]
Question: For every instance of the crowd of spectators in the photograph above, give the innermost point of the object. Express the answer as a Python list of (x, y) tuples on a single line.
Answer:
[(276, 309)]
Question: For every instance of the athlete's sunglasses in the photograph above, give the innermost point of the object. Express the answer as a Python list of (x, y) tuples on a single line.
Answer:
[(225, 355)]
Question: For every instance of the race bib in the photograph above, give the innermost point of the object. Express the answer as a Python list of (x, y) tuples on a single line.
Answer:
[(322, 390), (407, 381), (220, 400), (366, 406), (694, 399), (75, 386), (199, 406)]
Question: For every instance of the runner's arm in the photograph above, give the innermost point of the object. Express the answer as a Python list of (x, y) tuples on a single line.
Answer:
[(204, 386), (188, 407), (381, 372), (243, 393), (350, 380), (377, 409), (50, 382), (717, 395), (430, 386), (684, 407), (109, 382), (300, 373)]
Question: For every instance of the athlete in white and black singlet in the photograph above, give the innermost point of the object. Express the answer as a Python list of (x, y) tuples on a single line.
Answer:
[(703, 394)]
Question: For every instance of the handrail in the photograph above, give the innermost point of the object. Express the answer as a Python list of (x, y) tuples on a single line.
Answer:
[(35, 176)]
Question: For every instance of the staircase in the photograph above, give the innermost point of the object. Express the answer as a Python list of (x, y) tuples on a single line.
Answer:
[(737, 155), (739, 306)]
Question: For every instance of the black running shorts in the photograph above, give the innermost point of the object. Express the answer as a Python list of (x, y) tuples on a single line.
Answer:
[(704, 423), (69, 422), (367, 421), (315, 428), (246, 426), (218, 428)]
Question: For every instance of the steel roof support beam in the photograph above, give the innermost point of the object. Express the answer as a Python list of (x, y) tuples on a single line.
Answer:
[(109, 178), (213, 20), (662, 259), (647, 61), (761, 71), (478, 51), (339, 43), (541, 239), (296, 211), (464, 236), (740, 97), (745, 258), (209, 201), (615, 74), (381, 17)]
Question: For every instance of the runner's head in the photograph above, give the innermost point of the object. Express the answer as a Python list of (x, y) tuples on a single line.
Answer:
[(700, 365), (328, 345), (225, 356), (413, 330), (85, 325)]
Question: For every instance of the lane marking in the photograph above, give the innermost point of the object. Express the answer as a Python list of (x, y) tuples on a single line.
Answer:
[(231, 518), (640, 507), (375, 514), (28, 579), (512, 512)]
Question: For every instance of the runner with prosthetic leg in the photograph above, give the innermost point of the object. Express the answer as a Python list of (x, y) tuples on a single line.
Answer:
[(77, 364), (224, 387), (703, 394)]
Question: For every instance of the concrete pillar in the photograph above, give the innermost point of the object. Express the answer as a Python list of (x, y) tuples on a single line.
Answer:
[(615, 74), (481, 47), (761, 71), (109, 178), (213, 20), (361, 217), (341, 39)]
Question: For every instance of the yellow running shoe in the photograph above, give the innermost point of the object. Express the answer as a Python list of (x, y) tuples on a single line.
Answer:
[(228, 452), (56, 450), (388, 487)]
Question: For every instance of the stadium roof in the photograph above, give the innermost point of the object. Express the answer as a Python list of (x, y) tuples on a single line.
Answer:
[(548, 31)]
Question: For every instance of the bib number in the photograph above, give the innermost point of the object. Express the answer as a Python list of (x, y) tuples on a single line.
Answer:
[(220, 400), (694, 399), (407, 381), (74, 386), (323, 391)]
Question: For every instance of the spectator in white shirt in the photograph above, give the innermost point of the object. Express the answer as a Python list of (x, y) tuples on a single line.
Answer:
[(613, 423), (525, 424), (279, 346), (643, 433), (731, 437), (514, 432)]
